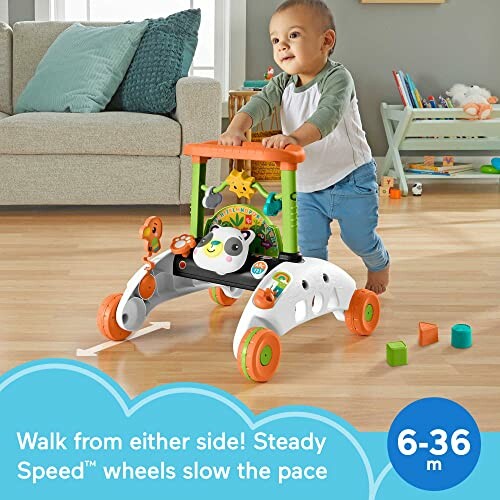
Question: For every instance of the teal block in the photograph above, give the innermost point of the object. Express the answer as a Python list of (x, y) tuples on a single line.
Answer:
[(397, 353), (461, 336)]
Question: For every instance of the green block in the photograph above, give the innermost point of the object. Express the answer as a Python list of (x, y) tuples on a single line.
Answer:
[(461, 336), (397, 353)]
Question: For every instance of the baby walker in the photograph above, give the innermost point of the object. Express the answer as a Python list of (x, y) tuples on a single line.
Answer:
[(237, 249)]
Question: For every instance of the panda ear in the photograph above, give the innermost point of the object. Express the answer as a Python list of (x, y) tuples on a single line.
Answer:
[(248, 234), (214, 226)]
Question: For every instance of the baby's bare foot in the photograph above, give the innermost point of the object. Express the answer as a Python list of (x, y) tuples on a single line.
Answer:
[(377, 281)]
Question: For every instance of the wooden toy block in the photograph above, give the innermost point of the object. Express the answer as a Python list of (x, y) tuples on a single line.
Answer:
[(394, 193), (448, 161), (461, 336), (428, 333), (429, 161), (396, 353), (387, 182), (384, 192)]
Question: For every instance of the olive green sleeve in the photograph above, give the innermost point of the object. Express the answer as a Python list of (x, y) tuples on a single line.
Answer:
[(337, 90), (262, 105)]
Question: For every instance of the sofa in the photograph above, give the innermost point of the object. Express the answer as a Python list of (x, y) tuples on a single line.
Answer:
[(107, 158)]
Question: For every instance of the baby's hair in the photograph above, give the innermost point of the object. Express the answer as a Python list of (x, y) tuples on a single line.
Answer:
[(319, 6)]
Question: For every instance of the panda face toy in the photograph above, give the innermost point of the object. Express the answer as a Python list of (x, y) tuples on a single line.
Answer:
[(223, 250)]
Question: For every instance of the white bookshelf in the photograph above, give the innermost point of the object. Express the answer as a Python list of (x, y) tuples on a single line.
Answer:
[(429, 130)]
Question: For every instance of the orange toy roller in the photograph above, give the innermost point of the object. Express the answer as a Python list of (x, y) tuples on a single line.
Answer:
[(364, 312), (106, 318), (219, 297)]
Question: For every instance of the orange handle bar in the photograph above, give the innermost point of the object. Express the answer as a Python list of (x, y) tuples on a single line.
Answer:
[(288, 157)]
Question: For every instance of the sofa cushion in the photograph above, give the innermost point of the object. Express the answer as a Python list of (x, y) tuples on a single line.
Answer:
[(31, 40), (105, 133), (82, 69), (163, 57)]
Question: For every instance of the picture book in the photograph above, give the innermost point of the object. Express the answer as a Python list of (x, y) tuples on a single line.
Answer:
[(401, 89), (408, 89), (410, 95), (415, 91), (438, 168)]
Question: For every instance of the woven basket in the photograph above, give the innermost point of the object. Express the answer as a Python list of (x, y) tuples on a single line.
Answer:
[(266, 170)]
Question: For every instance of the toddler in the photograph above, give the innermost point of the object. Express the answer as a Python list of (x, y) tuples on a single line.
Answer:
[(319, 111)]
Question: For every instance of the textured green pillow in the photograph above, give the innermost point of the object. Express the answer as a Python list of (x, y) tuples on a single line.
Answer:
[(164, 55), (82, 69)]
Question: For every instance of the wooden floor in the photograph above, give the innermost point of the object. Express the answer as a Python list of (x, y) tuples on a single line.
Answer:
[(57, 264)]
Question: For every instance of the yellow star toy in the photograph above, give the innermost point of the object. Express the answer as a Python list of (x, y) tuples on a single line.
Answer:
[(241, 184)]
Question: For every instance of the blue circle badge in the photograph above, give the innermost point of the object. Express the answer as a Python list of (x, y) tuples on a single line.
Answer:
[(434, 444), (258, 269)]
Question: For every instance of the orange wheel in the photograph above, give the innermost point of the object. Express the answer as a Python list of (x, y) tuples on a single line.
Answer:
[(219, 297), (259, 354), (364, 312), (106, 318)]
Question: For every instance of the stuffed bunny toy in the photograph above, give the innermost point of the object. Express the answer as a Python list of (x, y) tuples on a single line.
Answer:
[(477, 102)]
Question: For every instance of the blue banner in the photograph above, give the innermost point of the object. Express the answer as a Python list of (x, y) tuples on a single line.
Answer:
[(69, 431)]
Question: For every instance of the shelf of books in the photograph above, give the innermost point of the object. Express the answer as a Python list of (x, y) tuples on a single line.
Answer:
[(432, 125), (432, 169)]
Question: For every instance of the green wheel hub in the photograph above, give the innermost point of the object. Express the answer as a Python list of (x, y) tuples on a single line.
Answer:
[(213, 292), (266, 355), (369, 312), (244, 352)]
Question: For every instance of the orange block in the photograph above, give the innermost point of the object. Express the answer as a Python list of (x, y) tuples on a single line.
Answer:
[(429, 161), (448, 161), (427, 333), (394, 193)]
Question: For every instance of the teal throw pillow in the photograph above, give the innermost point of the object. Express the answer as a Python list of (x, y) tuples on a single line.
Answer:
[(82, 69), (163, 57)]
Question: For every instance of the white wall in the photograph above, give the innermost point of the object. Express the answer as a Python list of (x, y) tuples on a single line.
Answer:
[(21, 10), (4, 11), (439, 45)]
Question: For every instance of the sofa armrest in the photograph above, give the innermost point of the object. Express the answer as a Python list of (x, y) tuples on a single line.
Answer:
[(199, 115), (198, 109), (5, 68)]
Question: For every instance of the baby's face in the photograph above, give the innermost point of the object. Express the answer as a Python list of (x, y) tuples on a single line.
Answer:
[(298, 41)]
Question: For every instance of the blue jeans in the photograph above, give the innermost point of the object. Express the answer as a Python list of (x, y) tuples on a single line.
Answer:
[(353, 202)]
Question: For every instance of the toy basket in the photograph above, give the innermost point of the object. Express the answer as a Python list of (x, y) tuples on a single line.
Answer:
[(266, 170)]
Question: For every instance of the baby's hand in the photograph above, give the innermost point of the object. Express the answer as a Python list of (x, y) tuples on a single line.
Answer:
[(279, 141), (231, 138)]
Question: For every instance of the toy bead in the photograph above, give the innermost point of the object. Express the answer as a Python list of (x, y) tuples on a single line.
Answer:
[(272, 206), (428, 333), (241, 184), (397, 353), (394, 193), (461, 336), (211, 200)]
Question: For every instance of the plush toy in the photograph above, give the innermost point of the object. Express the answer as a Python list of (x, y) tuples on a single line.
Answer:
[(269, 73), (475, 101), (223, 250), (417, 189)]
